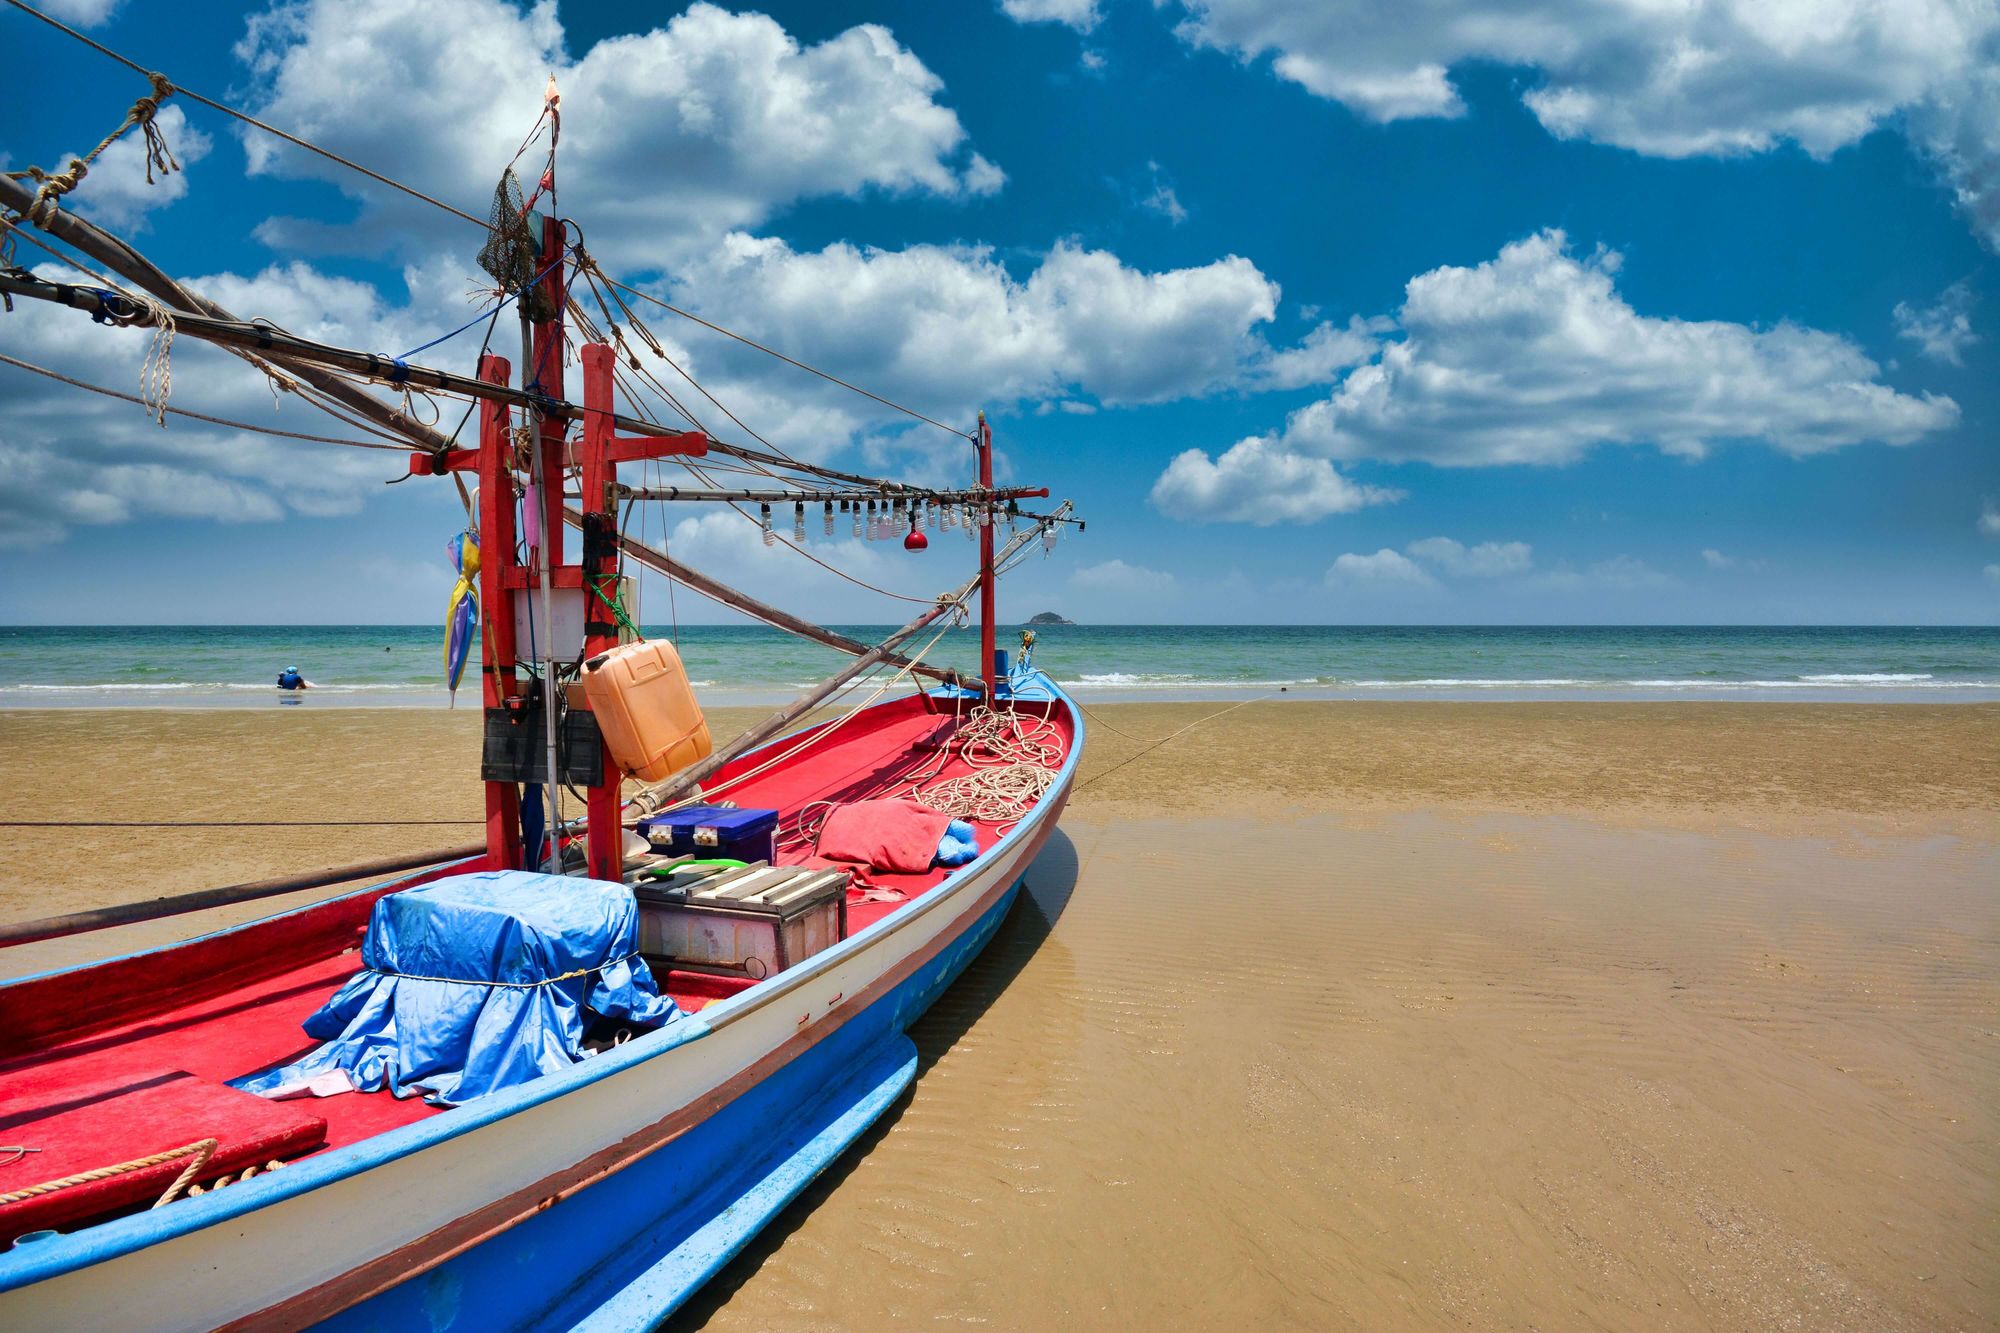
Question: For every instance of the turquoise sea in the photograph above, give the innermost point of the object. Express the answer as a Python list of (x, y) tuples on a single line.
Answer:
[(399, 665)]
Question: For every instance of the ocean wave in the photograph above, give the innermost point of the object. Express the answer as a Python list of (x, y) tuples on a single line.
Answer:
[(1866, 677)]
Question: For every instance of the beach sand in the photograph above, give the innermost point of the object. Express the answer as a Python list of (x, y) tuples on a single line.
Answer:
[(1322, 1014)]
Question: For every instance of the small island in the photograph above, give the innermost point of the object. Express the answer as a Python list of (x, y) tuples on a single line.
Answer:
[(1049, 618)]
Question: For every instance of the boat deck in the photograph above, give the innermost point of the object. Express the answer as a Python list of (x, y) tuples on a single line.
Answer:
[(225, 1025)]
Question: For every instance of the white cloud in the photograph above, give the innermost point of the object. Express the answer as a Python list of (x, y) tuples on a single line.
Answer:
[(1958, 127), (1079, 14), (1486, 560), (115, 192), (1118, 580), (1942, 330), (1703, 77), (1093, 62), (1257, 481), (1715, 559), (1993, 573), (1385, 566), (944, 326), (1989, 518), (1533, 357), (714, 121), (1326, 351), (1162, 199), (81, 13)]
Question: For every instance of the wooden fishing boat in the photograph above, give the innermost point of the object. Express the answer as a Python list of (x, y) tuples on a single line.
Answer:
[(606, 1184), (601, 1197)]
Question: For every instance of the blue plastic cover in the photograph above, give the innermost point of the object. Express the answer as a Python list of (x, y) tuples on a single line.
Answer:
[(480, 982), (959, 844)]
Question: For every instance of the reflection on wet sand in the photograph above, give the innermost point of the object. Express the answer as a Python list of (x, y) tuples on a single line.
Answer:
[(1501, 1070)]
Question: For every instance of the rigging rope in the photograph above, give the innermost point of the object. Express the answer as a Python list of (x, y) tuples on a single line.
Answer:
[(202, 416)]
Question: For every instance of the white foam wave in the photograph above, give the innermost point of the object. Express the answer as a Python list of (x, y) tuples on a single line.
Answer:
[(1866, 677)]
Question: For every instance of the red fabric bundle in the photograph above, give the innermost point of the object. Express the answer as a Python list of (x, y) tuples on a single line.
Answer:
[(899, 836)]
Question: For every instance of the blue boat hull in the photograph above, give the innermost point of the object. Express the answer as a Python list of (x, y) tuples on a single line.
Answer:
[(630, 1249)]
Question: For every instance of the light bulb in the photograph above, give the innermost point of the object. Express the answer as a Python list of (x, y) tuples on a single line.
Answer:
[(798, 522), (770, 537), (829, 518)]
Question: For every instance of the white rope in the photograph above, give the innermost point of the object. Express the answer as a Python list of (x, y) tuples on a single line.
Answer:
[(156, 373), (1014, 758)]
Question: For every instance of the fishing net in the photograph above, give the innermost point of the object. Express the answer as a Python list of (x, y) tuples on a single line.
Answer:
[(512, 253)]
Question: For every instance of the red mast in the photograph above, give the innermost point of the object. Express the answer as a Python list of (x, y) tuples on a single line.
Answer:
[(986, 666), (502, 576)]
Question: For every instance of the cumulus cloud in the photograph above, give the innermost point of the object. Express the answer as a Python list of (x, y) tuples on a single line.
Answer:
[(1958, 128), (1486, 560), (1383, 567), (1325, 352), (945, 326), (1993, 573), (1715, 559), (1942, 330), (1258, 481), (711, 122), (1079, 14), (1534, 357), (1709, 77), (1989, 519)]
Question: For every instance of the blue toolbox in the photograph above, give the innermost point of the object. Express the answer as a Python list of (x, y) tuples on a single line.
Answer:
[(715, 831)]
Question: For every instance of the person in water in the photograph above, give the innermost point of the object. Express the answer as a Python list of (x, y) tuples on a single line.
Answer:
[(290, 679)]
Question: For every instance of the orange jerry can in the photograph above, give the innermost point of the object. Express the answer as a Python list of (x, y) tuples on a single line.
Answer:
[(646, 710)]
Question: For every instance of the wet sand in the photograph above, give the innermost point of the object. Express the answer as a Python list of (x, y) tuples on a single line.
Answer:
[(1332, 1015)]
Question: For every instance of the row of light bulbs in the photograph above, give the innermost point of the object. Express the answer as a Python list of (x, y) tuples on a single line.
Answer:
[(885, 519)]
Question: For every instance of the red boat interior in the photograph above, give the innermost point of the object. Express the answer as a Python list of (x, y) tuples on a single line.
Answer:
[(128, 1058)]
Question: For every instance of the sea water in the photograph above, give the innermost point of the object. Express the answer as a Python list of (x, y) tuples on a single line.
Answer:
[(402, 665)]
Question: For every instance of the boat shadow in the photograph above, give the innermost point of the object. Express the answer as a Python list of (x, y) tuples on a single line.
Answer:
[(1050, 881)]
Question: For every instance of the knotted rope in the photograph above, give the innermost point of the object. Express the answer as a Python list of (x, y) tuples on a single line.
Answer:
[(201, 1150), (158, 156)]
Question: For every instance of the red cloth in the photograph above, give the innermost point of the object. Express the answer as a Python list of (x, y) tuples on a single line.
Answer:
[(899, 836), (110, 1119)]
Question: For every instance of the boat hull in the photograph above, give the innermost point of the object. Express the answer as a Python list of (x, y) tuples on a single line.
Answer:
[(603, 1196)]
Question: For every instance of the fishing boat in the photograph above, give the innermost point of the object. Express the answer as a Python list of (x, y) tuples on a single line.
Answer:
[(603, 1183)]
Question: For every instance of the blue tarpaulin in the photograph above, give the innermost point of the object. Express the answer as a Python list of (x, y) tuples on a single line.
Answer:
[(480, 982)]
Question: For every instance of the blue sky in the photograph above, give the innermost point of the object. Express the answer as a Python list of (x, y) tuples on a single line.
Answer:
[(1565, 312)]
